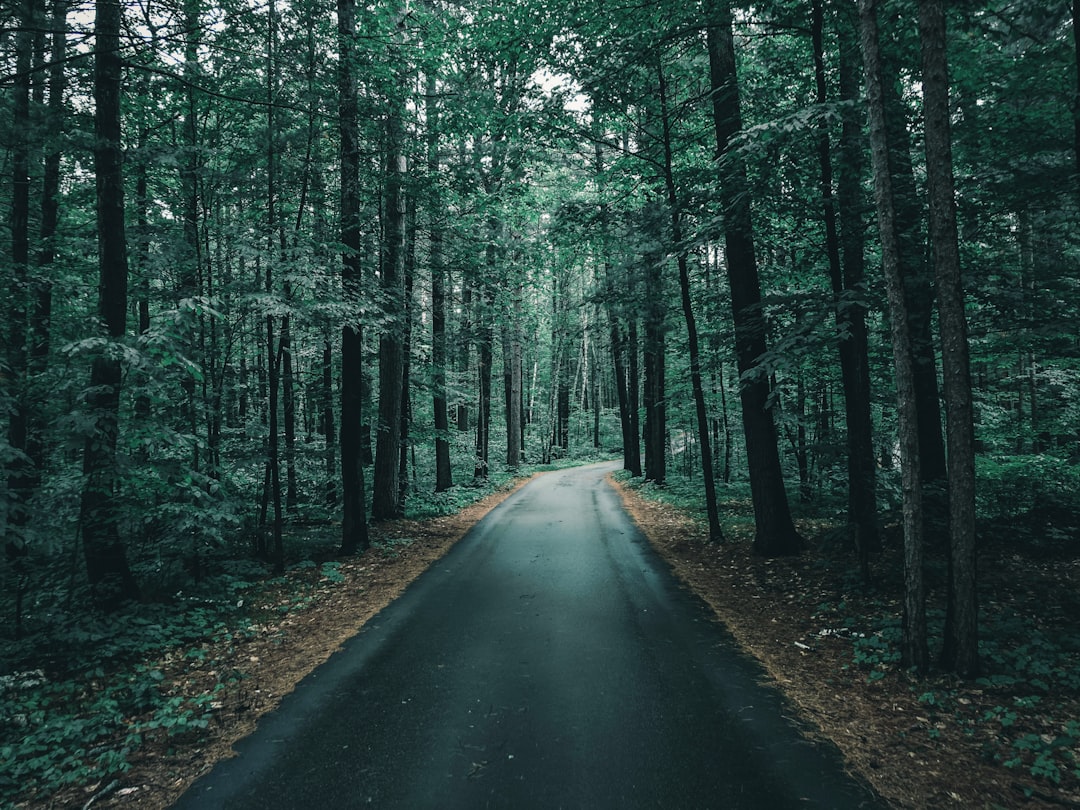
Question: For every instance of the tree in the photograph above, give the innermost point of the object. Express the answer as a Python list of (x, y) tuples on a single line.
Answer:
[(775, 533), (440, 406), (913, 646), (111, 580), (386, 489), (354, 533), (845, 256), (961, 648), (715, 533)]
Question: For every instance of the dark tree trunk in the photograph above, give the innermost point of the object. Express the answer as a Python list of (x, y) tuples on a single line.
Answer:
[(327, 423), (960, 653), (654, 395), (385, 501), (464, 355), (914, 653), (406, 353), (288, 414), (40, 325), (354, 531), (20, 471), (443, 473), (918, 291), (775, 532), (619, 362), (110, 577), (273, 359), (633, 392), (485, 338), (716, 535), (846, 265), (1076, 94), (512, 349)]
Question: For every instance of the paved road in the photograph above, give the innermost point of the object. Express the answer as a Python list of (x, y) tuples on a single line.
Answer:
[(548, 661)]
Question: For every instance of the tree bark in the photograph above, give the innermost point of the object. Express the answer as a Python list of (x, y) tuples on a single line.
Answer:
[(111, 580), (385, 501), (513, 399), (844, 247), (716, 535), (960, 653), (918, 289), (654, 395), (443, 473), (19, 469), (775, 532), (913, 649), (354, 531)]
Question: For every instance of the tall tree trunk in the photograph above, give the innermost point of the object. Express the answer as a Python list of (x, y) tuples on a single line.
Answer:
[(775, 532), (654, 394), (633, 395), (716, 535), (19, 471), (443, 473), (918, 291), (513, 399), (846, 266), (273, 360), (1076, 94), (110, 577), (464, 353), (40, 325), (354, 530), (913, 648), (406, 353), (484, 351), (385, 484), (960, 653), (328, 430)]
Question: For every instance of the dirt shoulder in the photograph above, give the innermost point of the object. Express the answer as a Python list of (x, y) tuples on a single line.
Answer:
[(921, 744), (298, 628)]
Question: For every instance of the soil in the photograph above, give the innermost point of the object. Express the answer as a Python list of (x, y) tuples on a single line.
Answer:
[(773, 608)]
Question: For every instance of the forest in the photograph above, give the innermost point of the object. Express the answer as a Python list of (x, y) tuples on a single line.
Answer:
[(279, 272)]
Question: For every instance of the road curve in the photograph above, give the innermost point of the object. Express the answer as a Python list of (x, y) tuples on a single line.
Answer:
[(549, 660)]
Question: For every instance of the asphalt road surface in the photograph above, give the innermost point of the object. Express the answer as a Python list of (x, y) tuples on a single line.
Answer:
[(549, 660)]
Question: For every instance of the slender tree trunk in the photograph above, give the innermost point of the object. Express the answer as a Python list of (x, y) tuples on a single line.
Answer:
[(846, 264), (654, 393), (716, 535), (464, 354), (406, 354), (960, 653), (328, 429), (918, 292), (19, 470), (633, 391), (385, 485), (110, 577), (40, 326), (288, 411), (776, 534), (485, 338), (443, 473), (273, 360), (354, 531), (513, 400), (914, 652), (1076, 94)]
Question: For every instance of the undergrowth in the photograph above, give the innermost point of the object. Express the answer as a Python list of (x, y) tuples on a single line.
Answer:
[(1022, 710), (81, 692)]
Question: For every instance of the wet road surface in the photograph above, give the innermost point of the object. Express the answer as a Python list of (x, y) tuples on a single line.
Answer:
[(548, 661)]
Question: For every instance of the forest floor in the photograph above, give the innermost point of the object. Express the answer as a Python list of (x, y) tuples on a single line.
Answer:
[(921, 744)]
